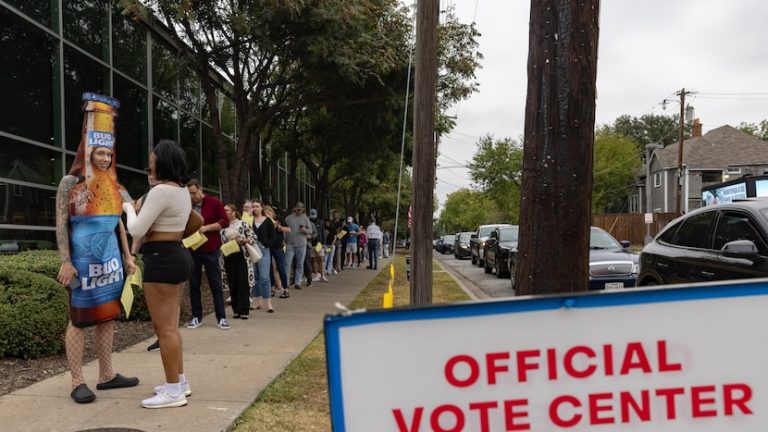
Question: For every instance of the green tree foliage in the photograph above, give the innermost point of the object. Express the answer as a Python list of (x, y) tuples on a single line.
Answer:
[(760, 130), (497, 171), (464, 210), (616, 166), (648, 128)]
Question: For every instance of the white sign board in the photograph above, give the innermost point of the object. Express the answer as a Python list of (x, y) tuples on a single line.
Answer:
[(649, 218), (691, 358)]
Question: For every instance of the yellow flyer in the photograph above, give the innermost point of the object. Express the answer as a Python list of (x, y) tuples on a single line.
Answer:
[(318, 247), (194, 241), (126, 298), (340, 234), (230, 247)]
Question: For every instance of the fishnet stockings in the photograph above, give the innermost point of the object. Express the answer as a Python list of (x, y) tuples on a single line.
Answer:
[(75, 345), (104, 335)]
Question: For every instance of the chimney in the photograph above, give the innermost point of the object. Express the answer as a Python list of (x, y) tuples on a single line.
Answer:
[(696, 128)]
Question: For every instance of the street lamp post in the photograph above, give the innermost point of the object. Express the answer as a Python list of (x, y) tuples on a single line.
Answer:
[(649, 149)]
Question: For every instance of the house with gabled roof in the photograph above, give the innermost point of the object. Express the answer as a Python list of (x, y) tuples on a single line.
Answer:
[(722, 154)]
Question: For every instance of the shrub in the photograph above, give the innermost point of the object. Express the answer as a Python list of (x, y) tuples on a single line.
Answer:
[(47, 262), (33, 314)]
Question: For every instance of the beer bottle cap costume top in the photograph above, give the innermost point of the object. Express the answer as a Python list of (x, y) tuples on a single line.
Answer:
[(95, 206)]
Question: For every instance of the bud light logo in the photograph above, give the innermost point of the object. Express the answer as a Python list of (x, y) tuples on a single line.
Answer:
[(100, 139)]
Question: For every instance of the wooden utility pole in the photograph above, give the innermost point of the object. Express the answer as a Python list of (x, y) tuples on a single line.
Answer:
[(424, 152), (678, 200), (555, 213)]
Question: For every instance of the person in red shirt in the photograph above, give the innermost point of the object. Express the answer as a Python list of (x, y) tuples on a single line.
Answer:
[(214, 219)]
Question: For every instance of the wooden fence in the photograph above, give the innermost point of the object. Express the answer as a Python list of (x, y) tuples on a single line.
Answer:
[(631, 226)]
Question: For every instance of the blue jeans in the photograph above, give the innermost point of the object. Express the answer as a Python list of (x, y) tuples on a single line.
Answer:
[(329, 254), (262, 270), (211, 262), (299, 252), (279, 256), (373, 253)]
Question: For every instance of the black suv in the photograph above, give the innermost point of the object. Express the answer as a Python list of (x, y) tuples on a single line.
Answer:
[(461, 245), (477, 242), (498, 249), (721, 242)]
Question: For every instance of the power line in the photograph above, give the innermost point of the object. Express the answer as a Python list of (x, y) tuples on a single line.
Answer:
[(451, 184)]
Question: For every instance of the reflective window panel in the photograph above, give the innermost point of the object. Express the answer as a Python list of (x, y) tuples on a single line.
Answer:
[(129, 46), (132, 124), (26, 81), (81, 74), (13, 241), (86, 24), (29, 163), (24, 205)]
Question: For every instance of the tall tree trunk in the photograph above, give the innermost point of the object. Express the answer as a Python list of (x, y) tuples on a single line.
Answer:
[(293, 182), (555, 213)]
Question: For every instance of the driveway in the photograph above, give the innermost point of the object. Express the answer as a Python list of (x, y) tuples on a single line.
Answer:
[(474, 278)]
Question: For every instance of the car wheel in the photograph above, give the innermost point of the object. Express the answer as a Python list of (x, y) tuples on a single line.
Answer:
[(512, 277), (499, 273), (486, 268)]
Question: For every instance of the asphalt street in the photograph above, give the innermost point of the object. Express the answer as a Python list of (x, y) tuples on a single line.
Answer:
[(474, 278)]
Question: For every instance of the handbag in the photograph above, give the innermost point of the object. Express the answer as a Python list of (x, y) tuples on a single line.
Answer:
[(254, 254)]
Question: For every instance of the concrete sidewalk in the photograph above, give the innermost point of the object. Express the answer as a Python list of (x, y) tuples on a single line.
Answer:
[(226, 369)]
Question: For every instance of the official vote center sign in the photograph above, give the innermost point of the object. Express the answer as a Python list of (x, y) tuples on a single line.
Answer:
[(688, 358)]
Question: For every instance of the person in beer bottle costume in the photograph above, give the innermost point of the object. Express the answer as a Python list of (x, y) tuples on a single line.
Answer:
[(88, 209)]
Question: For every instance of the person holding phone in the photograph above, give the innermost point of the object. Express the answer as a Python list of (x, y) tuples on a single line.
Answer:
[(296, 242)]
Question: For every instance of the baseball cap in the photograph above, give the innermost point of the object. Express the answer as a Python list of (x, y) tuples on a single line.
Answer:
[(313, 213), (299, 205), (349, 219)]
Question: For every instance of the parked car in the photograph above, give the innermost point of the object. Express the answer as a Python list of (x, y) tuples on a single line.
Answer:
[(445, 245), (461, 245), (720, 242), (477, 241), (611, 264), (498, 247)]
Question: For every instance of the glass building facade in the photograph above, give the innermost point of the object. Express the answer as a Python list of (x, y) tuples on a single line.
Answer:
[(51, 51)]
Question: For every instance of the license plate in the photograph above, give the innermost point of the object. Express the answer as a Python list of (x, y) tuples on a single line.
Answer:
[(614, 286)]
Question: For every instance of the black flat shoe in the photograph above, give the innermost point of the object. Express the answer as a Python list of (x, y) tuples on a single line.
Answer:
[(82, 394), (284, 294), (118, 381)]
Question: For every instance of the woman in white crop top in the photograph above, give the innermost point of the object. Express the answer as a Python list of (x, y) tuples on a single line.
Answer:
[(159, 226)]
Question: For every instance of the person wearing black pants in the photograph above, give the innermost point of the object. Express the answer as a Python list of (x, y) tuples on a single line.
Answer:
[(239, 273), (207, 255)]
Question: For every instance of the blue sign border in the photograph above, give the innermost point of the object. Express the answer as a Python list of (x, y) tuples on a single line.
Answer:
[(674, 293)]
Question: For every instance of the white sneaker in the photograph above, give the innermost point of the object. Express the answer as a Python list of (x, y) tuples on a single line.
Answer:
[(195, 323), (185, 386), (164, 400), (335, 271), (315, 277), (323, 278), (223, 324)]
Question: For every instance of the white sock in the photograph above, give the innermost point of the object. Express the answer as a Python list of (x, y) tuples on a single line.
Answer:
[(173, 389), (182, 379)]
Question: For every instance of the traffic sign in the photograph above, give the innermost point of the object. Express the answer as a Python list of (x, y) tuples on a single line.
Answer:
[(685, 358)]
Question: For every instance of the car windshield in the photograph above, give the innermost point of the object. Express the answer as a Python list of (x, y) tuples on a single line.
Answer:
[(448, 239), (599, 239), (508, 234), (464, 237), (485, 231)]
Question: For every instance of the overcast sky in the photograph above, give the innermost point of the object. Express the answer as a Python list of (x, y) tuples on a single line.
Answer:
[(647, 51)]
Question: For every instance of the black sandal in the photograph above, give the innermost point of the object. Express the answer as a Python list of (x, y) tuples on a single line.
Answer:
[(118, 381), (284, 294), (82, 394)]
